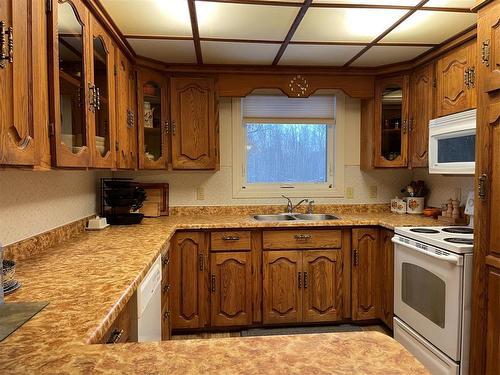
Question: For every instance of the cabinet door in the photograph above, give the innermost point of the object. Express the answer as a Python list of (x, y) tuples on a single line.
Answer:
[(454, 94), (126, 118), (322, 285), (386, 279), (364, 273), (194, 144), (231, 286), (282, 287), (391, 122), (493, 323), (16, 130), (152, 112), (69, 80), (422, 111), (489, 42), (188, 278), (102, 111)]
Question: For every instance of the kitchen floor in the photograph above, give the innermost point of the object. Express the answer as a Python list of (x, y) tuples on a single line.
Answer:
[(283, 331)]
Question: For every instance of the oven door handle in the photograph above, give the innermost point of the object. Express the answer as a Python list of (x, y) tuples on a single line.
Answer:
[(458, 260)]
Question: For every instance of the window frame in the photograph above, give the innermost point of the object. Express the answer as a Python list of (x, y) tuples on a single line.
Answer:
[(332, 188)]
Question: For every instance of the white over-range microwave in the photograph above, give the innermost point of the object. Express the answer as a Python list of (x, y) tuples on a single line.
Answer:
[(452, 144)]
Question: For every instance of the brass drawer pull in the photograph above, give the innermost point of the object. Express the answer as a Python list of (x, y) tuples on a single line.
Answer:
[(115, 336), (302, 236), (230, 238), (9, 55)]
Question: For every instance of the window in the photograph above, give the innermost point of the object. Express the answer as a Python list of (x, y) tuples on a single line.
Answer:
[(286, 146)]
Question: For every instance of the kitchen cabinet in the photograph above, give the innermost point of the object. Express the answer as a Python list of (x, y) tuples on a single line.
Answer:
[(231, 288), (124, 327), (166, 323), (126, 109), (152, 109), (364, 270), (493, 324), (189, 280), (456, 80), (194, 127), (421, 112), (391, 111), (386, 276)]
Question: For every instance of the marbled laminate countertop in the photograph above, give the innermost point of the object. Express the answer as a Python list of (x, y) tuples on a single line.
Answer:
[(89, 278)]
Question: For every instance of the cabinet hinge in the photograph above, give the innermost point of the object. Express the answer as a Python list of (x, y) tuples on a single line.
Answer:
[(485, 52), (434, 82), (48, 6), (117, 146), (51, 129), (116, 70)]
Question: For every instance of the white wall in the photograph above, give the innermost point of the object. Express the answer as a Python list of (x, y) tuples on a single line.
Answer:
[(35, 202), (218, 185)]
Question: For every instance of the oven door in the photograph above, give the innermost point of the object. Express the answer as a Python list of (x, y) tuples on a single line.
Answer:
[(428, 294)]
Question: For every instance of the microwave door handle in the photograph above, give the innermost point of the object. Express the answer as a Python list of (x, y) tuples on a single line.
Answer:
[(450, 258)]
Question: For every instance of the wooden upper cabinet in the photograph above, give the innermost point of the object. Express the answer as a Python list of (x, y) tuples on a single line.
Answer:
[(421, 112), (364, 270), (126, 109), (231, 287), (152, 109), (189, 280), (102, 95), (194, 123), (455, 80), (16, 129), (386, 276), (322, 285), (282, 287), (391, 122), (489, 44)]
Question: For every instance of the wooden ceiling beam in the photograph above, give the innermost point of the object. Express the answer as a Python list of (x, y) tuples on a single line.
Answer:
[(195, 31)]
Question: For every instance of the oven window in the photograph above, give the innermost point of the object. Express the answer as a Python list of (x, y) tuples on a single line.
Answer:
[(424, 292), (457, 149)]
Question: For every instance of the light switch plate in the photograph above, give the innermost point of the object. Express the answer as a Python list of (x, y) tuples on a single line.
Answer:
[(349, 192)]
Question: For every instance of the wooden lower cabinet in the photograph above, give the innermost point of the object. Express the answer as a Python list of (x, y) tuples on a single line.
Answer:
[(365, 244), (493, 323), (386, 272), (231, 287), (123, 328), (166, 323)]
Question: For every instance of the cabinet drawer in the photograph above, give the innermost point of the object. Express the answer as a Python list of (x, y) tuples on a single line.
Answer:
[(119, 331), (230, 241), (302, 239)]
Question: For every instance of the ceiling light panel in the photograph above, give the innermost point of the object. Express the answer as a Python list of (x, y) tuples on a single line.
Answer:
[(371, 2), (345, 25), (169, 51), (421, 27), (242, 21), (318, 55), (150, 17), (451, 3), (385, 55), (239, 53)]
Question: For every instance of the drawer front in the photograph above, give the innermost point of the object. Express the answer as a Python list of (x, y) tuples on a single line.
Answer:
[(230, 241), (302, 239), (120, 330)]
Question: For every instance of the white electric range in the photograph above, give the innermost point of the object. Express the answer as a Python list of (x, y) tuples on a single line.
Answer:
[(432, 295)]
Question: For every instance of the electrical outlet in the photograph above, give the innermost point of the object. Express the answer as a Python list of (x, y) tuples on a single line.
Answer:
[(200, 193), (372, 191), (349, 192)]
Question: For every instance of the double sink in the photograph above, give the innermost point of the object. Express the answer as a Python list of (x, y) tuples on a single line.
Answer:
[(293, 217)]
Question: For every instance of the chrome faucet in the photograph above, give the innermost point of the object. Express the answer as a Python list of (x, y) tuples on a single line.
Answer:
[(290, 207)]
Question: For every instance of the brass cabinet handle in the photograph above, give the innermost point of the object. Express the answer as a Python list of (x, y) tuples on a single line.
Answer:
[(466, 78), (410, 126), (9, 55), (200, 261), (482, 186), (230, 238), (92, 97), (166, 288), (302, 236), (166, 315), (299, 279), (305, 280), (472, 77), (98, 98), (166, 127), (173, 127), (165, 261), (355, 257), (213, 282), (130, 119), (485, 52), (115, 336)]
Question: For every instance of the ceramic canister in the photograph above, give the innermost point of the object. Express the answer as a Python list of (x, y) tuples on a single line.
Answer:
[(401, 207), (415, 205)]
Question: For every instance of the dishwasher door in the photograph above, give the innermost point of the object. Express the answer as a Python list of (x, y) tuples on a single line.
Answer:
[(149, 305)]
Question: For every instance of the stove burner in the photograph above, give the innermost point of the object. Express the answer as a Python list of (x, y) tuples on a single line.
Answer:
[(424, 230), (463, 241), (458, 230)]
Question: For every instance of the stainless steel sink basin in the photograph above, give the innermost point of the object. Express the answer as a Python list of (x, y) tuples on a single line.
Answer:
[(316, 217), (274, 217)]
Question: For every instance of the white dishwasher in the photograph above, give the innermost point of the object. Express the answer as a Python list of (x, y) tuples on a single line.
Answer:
[(149, 305)]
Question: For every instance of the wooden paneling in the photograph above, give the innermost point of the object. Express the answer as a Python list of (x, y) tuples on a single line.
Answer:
[(453, 94), (189, 281), (346, 272), (364, 273), (421, 112), (386, 276), (322, 285), (231, 287), (194, 123), (282, 287), (230, 241), (493, 323), (302, 239)]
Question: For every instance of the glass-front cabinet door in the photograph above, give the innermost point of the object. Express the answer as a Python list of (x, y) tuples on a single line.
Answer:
[(391, 122), (68, 109), (153, 123), (101, 102)]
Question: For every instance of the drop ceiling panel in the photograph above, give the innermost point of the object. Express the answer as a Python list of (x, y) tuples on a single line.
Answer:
[(170, 51), (345, 25), (384, 55), (299, 54), (421, 27), (238, 53), (150, 17), (451, 3), (242, 21), (371, 2)]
